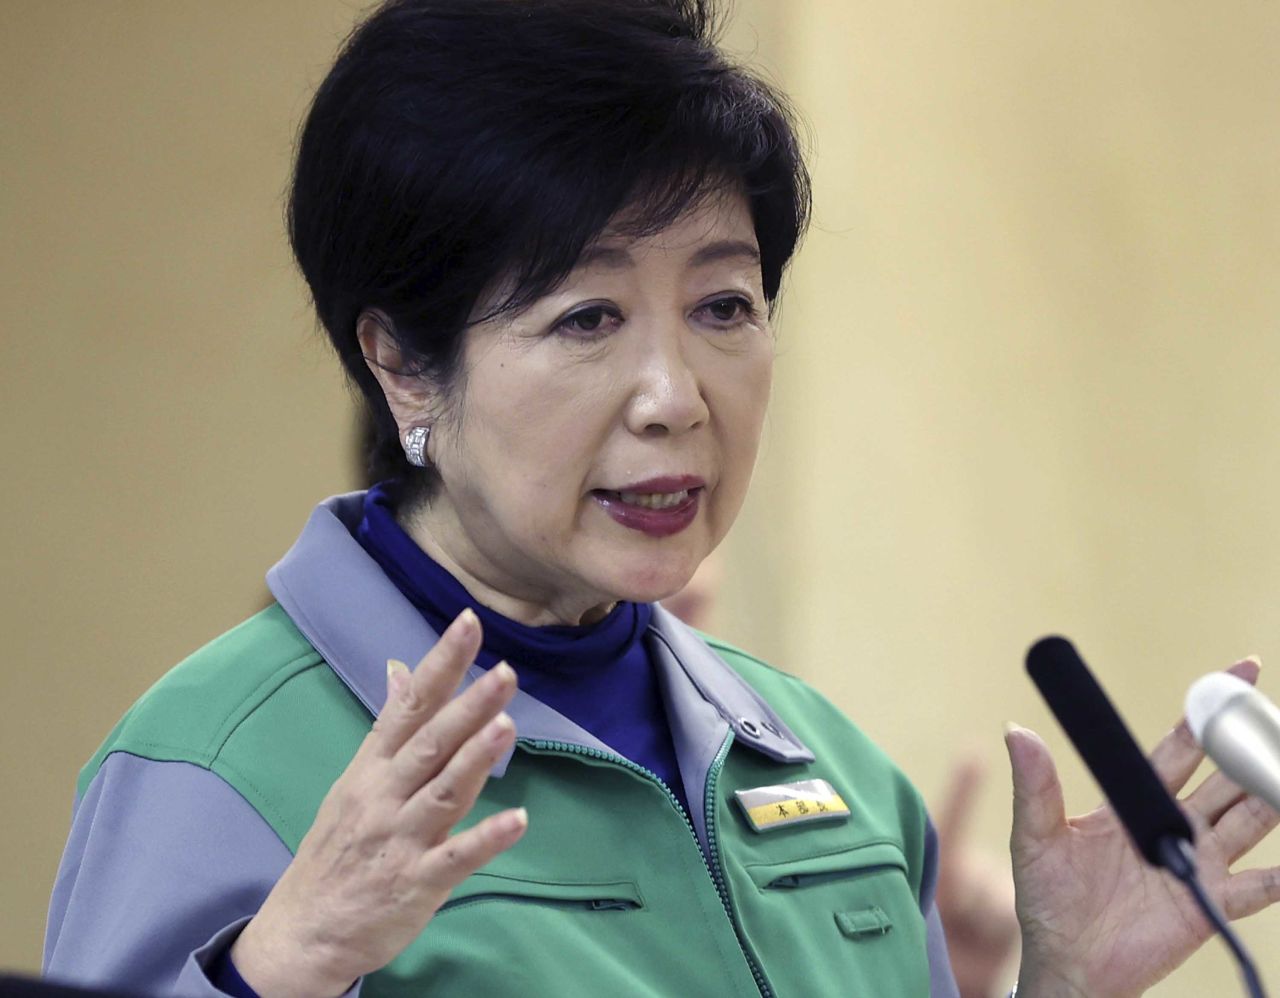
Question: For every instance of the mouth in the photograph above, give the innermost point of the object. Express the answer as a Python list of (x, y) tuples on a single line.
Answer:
[(654, 508), (648, 500)]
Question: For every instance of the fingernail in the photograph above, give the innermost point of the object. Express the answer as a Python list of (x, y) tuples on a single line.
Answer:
[(465, 621), (517, 818), (501, 726), (397, 676), (504, 673), (1010, 728)]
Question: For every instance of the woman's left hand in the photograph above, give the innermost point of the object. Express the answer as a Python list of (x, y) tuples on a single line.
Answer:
[(1097, 921)]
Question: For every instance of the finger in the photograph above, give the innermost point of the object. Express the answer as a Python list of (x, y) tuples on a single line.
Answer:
[(1038, 809), (1213, 798), (430, 686), (428, 750), (1178, 754), (958, 801), (1176, 757), (1247, 669), (1244, 826), (457, 857), (1249, 891), (439, 805)]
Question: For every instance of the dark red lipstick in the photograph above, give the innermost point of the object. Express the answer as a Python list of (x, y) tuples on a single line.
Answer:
[(658, 507)]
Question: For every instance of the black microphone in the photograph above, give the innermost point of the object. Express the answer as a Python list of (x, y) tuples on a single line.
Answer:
[(1136, 794)]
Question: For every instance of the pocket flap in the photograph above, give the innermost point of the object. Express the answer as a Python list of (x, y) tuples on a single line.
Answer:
[(869, 921), (813, 869)]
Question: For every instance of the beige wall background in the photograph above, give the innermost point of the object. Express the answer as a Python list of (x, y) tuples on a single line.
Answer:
[(1025, 379)]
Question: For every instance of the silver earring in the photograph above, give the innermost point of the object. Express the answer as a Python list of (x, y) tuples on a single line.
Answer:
[(415, 445)]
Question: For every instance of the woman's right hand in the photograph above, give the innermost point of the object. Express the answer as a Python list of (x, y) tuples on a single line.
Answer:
[(379, 860)]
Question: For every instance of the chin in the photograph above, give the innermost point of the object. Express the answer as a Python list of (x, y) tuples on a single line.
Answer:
[(650, 583)]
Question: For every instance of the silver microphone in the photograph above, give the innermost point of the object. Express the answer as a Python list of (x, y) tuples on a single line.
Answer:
[(1239, 729)]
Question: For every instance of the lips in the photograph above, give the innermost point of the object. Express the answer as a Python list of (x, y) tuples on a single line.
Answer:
[(657, 507)]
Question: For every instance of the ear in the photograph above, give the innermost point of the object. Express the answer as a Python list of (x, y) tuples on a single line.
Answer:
[(409, 395)]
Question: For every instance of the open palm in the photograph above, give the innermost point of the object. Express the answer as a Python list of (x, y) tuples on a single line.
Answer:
[(1096, 920)]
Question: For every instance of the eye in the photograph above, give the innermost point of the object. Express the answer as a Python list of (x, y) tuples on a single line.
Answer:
[(590, 322), (727, 311)]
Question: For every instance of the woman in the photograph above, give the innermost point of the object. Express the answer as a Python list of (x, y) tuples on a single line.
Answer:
[(545, 238)]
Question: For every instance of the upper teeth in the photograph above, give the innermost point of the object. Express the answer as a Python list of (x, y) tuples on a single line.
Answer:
[(655, 500)]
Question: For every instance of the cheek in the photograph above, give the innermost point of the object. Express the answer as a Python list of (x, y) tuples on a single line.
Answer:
[(747, 401), (539, 433), (744, 400), (760, 386)]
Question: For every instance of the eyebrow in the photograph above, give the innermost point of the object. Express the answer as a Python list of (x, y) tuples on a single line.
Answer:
[(617, 258)]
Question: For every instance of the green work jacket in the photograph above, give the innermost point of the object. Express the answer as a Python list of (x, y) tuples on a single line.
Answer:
[(614, 890)]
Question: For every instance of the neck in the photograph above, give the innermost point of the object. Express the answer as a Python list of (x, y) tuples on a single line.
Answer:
[(487, 584)]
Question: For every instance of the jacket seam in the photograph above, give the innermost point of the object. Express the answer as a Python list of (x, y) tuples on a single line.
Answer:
[(722, 646), (261, 805), (264, 807), (272, 684), (206, 766)]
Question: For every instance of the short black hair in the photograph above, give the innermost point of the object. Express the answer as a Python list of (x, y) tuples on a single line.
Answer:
[(458, 143)]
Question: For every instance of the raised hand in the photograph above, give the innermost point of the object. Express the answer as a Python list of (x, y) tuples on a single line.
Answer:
[(1097, 921), (379, 859), (975, 891)]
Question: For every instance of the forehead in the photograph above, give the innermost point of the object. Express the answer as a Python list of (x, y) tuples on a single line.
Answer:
[(717, 229)]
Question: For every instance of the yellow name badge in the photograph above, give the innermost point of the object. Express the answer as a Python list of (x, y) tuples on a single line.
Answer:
[(769, 808)]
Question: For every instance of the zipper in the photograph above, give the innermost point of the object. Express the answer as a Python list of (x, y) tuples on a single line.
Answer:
[(713, 865), (587, 904), (793, 881), (710, 862)]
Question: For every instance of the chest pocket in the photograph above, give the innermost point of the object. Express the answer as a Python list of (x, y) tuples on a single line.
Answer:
[(509, 936), (489, 888), (849, 917)]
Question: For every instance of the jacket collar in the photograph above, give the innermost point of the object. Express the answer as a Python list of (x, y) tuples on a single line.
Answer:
[(357, 618)]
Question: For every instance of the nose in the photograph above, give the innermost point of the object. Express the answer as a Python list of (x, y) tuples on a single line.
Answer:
[(668, 394)]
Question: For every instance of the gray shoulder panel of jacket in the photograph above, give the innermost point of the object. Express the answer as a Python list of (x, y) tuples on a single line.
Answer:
[(942, 981), (164, 865)]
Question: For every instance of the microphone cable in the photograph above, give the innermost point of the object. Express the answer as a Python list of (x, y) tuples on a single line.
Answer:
[(1179, 858)]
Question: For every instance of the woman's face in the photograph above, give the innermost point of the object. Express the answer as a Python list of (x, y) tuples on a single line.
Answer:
[(598, 445)]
